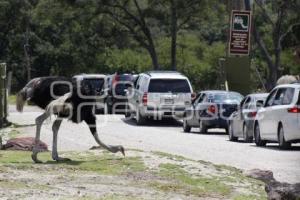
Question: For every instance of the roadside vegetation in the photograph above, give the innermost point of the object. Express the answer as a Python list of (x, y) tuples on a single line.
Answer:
[(53, 37), (140, 175)]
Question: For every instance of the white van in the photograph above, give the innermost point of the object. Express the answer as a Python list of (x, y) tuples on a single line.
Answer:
[(159, 94)]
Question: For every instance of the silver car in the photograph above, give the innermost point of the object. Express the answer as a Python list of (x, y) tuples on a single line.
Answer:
[(241, 123), (159, 94)]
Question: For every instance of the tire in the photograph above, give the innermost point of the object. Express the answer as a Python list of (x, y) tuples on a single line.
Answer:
[(231, 136), (282, 143), (107, 109), (127, 115), (258, 141), (202, 127), (140, 120), (246, 137), (186, 127)]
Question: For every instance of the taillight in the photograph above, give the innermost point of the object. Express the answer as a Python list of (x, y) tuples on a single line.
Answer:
[(145, 98), (252, 114), (115, 80), (294, 110), (212, 109)]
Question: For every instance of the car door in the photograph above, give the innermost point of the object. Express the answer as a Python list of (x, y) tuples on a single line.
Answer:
[(200, 106), (264, 115), (243, 115), (193, 111), (278, 112), (190, 111), (282, 114), (236, 118), (134, 94)]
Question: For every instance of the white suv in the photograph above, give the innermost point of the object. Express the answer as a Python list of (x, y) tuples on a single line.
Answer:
[(159, 94), (279, 119)]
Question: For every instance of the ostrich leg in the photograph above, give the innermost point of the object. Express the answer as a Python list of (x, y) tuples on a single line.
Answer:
[(92, 126), (55, 128), (35, 150)]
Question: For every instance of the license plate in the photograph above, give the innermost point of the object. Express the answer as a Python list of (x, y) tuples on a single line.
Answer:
[(169, 101)]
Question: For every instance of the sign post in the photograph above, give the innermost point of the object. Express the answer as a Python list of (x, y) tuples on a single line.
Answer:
[(240, 29)]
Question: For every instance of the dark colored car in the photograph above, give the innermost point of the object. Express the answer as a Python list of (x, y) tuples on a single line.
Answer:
[(97, 82), (211, 109), (117, 86), (241, 124)]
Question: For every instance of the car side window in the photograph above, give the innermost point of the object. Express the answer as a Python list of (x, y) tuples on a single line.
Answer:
[(139, 81), (246, 103), (202, 97), (279, 97), (270, 98), (288, 96), (198, 99), (136, 81)]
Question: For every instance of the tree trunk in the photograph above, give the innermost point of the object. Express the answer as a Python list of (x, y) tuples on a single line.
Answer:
[(173, 35), (154, 58)]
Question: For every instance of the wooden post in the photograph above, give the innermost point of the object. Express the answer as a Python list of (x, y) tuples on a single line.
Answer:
[(3, 95)]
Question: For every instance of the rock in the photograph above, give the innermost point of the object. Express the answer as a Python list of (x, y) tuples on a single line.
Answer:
[(275, 190), (23, 144), (263, 175)]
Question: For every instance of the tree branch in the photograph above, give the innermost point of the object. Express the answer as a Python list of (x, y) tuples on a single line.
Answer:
[(131, 29), (264, 12), (290, 28), (263, 47)]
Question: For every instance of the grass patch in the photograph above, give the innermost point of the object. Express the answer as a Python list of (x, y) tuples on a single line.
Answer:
[(12, 185), (249, 197), (12, 99), (169, 156), (13, 133), (199, 186), (107, 164)]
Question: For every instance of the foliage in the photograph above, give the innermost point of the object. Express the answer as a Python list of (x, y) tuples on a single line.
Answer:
[(100, 36)]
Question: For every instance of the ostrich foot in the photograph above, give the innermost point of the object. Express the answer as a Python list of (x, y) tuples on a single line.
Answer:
[(34, 157), (60, 159)]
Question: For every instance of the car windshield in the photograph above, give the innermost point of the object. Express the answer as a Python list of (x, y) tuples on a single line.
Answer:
[(225, 97), (123, 82), (96, 83), (169, 85)]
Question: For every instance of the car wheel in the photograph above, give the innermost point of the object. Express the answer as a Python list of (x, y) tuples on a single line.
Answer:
[(231, 133), (247, 138), (202, 127), (282, 143), (107, 109), (140, 120), (186, 127), (127, 114), (258, 141)]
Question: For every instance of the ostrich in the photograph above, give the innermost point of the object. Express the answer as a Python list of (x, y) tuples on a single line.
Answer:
[(74, 102), (287, 79)]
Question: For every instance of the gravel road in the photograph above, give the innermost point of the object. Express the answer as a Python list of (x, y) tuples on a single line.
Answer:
[(167, 136)]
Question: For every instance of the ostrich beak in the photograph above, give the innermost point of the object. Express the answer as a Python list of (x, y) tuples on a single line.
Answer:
[(122, 151)]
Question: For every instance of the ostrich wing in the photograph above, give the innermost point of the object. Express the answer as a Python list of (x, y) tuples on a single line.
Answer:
[(60, 106)]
